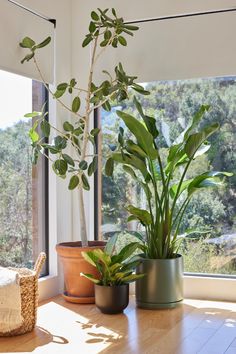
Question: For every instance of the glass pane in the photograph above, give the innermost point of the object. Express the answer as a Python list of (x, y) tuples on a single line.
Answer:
[(19, 236), (173, 104)]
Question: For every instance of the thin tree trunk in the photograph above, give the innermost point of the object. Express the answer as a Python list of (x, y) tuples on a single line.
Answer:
[(83, 227)]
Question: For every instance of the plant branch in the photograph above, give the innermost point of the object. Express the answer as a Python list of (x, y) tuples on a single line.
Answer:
[(50, 91)]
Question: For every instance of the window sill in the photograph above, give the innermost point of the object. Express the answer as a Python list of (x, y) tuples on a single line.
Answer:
[(48, 287)]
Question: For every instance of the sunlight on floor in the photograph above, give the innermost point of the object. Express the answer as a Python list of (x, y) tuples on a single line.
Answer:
[(194, 327), (76, 328)]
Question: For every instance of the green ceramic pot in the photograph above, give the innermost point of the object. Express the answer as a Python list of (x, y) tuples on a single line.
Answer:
[(162, 286)]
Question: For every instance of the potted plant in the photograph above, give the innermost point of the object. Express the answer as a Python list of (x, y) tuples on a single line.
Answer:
[(167, 193), (116, 271), (69, 151)]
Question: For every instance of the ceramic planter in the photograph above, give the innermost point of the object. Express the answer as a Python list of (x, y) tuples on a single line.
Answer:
[(162, 286), (77, 289), (112, 299)]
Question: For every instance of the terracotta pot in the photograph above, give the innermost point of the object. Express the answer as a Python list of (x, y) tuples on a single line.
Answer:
[(77, 289)]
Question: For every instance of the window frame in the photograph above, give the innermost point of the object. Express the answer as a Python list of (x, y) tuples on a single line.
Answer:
[(44, 177)]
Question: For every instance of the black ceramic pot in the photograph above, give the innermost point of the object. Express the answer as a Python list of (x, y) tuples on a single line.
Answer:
[(112, 299)]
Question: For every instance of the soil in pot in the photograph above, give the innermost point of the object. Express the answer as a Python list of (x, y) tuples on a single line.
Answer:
[(77, 289), (112, 299)]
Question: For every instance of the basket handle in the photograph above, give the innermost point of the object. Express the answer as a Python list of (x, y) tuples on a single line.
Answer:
[(39, 263)]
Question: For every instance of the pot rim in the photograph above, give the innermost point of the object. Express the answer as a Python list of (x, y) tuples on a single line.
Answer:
[(179, 256), (78, 244), (112, 286)]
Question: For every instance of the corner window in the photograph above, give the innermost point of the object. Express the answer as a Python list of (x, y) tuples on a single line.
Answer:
[(23, 187)]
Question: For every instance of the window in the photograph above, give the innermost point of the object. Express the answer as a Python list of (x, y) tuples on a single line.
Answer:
[(173, 104), (23, 188)]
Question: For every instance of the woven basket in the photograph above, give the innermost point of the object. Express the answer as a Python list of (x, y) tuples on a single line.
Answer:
[(29, 297)]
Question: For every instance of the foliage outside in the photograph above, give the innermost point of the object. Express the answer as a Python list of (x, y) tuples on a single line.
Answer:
[(115, 268), (71, 146), (16, 192)]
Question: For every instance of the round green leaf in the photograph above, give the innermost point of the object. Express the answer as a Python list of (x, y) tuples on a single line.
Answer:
[(87, 40), (68, 159), (122, 41), (93, 166), (62, 86), (85, 182), (83, 165), (109, 167), (76, 104), (92, 27), (74, 181), (107, 35), (95, 131), (46, 128), (27, 42), (60, 167), (94, 16), (67, 126)]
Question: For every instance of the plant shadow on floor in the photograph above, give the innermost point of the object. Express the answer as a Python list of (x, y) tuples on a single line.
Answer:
[(30, 341)]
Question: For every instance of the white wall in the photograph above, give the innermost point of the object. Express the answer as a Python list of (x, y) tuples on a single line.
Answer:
[(201, 46)]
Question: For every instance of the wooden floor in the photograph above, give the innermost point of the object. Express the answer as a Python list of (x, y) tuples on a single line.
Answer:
[(195, 327)]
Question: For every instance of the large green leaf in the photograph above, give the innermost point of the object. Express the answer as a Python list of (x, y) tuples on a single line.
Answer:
[(175, 157), (191, 231), (90, 257), (90, 277), (204, 148), (196, 120), (183, 187), (194, 141), (144, 138), (132, 277), (133, 148), (132, 160), (150, 122), (142, 214), (125, 253), (109, 167), (206, 180), (102, 256), (131, 266), (130, 171), (110, 246), (115, 267)]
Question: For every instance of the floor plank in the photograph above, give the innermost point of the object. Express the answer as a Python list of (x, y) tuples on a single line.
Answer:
[(203, 327)]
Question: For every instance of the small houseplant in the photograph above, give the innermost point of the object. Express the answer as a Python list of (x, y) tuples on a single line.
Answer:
[(167, 193), (69, 151), (116, 271)]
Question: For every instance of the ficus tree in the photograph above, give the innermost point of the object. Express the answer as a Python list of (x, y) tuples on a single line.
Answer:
[(69, 150), (164, 181)]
